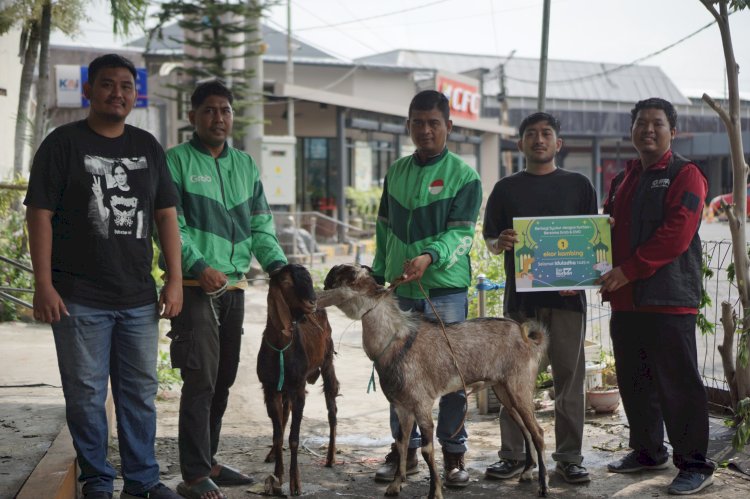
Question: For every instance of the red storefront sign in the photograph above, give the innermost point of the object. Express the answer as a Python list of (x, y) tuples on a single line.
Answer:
[(465, 99)]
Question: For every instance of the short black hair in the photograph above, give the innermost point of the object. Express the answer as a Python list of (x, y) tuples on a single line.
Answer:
[(536, 118), (208, 88), (427, 100), (110, 61), (655, 103)]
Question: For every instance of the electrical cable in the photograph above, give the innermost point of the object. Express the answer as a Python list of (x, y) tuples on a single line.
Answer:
[(621, 66), (377, 16)]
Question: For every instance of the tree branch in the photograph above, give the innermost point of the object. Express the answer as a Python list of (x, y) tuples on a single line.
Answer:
[(719, 110), (708, 5)]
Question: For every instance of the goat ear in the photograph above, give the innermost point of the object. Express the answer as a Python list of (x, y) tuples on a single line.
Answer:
[(278, 311)]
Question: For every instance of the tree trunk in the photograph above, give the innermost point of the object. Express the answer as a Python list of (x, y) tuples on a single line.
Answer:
[(27, 78), (738, 213), (726, 349), (42, 84)]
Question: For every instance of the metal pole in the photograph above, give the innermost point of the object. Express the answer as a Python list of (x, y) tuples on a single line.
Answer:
[(507, 159), (596, 168), (289, 70), (543, 58), (254, 61), (343, 172), (481, 293)]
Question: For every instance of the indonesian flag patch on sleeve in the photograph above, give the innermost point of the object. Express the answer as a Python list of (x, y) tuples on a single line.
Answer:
[(436, 186)]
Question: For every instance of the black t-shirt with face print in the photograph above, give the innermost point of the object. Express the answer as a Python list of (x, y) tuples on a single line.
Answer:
[(103, 193)]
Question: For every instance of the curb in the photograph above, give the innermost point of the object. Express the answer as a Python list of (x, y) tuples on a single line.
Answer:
[(55, 477)]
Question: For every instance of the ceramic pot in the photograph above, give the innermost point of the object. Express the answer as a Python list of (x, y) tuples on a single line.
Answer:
[(603, 400)]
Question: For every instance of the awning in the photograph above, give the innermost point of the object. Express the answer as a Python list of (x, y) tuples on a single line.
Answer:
[(348, 101)]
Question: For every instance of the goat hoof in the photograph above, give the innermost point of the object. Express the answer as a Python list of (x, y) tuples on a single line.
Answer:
[(393, 490), (272, 486), (543, 491), (438, 494)]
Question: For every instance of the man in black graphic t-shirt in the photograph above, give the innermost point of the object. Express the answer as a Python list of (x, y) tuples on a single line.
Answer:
[(95, 286)]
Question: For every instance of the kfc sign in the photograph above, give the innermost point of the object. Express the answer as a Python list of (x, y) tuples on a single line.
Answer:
[(465, 99)]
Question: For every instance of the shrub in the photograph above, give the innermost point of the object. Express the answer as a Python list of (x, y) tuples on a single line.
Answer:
[(13, 245), (484, 262)]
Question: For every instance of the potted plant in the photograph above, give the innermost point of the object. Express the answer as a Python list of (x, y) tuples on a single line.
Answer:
[(605, 398)]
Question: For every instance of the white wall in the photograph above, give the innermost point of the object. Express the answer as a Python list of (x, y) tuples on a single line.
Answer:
[(10, 80)]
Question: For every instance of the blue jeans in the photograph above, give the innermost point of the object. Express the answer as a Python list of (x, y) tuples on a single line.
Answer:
[(451, 308), (94, 345)]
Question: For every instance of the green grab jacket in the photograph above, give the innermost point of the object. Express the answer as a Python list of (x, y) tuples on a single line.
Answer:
[(428, 208), (222, 212)]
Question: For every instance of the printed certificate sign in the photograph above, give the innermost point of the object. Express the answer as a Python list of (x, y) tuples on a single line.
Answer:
[(561, 253)]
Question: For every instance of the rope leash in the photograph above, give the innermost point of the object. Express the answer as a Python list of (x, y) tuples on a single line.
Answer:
[(218, 293), (453, 356)]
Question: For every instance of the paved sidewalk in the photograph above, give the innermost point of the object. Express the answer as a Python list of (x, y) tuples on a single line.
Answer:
[(32, 411)]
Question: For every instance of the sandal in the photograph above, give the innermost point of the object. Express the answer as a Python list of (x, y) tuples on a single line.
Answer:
[(198, 490), (229, 476)]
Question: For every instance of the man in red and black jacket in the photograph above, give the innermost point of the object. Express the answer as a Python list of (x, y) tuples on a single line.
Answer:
[(654, 291)]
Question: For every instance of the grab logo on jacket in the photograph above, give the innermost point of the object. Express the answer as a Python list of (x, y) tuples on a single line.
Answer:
[(436, 186)]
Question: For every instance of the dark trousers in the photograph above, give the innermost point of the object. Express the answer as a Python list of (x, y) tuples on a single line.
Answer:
[(206, 339), (657, 371), (567, 330)]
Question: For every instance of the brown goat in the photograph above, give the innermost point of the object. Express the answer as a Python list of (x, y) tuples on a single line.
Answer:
[(415, 365), (296, 349)]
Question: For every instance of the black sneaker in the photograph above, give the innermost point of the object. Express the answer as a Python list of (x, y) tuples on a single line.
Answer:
[(387, 472), (630, 464), (689, 482), (572, 473), (504, 468), (158, 491)]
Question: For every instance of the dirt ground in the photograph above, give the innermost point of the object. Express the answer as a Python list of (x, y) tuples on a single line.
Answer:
[(363, 437), (31, 414)]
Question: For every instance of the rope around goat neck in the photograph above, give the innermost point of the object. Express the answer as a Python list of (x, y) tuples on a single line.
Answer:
[(281, 356), (371, 383)]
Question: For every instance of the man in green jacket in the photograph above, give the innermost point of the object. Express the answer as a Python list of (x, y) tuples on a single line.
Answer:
[(224, 220), (424, 232)]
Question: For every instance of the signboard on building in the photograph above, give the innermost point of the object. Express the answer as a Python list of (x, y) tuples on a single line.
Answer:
[(462, 93), (70, 80)]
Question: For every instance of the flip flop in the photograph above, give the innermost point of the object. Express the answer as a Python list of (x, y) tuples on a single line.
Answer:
[(196, 491), (229, 476)]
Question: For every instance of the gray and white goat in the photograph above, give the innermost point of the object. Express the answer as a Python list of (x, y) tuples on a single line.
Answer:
[(416, 366)]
